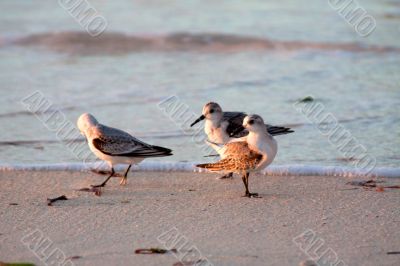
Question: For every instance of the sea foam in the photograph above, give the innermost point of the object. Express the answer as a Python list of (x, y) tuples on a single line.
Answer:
[(274, 170)]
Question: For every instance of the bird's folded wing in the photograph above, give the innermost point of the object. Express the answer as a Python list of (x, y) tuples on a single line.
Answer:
[(235, 120), (128, 146)]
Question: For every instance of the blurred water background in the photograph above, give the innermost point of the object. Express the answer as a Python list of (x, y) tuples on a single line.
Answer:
[(257, 56)]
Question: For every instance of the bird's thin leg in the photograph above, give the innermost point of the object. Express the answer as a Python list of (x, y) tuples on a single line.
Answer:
[(230, 175), (124, 179), (245, 179), (245, 185), (105, 181)]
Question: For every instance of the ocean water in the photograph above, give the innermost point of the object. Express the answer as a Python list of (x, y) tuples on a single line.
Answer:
[(254, 56)]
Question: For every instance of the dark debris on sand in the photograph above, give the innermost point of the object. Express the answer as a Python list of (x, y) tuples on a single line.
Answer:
[(52, 200)]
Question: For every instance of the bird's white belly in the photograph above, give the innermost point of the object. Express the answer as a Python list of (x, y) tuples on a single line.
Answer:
[(268, 147), (270, 156), (217, 135)]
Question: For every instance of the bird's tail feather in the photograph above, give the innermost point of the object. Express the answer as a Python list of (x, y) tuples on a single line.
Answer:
[(222, 165), (158, 151), (275, 130)]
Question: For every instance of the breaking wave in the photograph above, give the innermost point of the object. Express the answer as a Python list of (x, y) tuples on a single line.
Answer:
[(119, 43), (275, 170)]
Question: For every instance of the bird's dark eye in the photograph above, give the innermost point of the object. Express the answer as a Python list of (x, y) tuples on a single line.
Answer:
[(211, 111), (251, 122)]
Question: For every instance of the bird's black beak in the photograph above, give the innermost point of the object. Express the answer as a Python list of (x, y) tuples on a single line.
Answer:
[(198, 120)]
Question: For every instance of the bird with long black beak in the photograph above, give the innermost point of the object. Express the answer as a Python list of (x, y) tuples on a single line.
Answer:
[(221, 127), (251, 153)]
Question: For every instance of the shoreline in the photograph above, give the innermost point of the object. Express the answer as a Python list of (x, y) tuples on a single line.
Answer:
[(360, 225), (169, 166)]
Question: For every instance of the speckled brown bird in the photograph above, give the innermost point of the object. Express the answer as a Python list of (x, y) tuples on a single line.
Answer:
[(250, 153)]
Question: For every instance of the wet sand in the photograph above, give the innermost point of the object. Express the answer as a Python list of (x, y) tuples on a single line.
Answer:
[(196, 214)]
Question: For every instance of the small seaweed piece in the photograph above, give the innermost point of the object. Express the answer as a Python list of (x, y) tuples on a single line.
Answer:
[(74, 258), (393, 253), (372, 184), (154, 251), (51, 201), (368, 183), (307, 99), (392, 187)]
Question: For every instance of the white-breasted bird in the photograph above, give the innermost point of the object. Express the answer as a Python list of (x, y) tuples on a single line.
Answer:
[(116, 146), (253, 152), (221, 127)]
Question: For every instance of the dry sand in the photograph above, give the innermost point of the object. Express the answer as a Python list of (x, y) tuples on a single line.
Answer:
[(359, 225)]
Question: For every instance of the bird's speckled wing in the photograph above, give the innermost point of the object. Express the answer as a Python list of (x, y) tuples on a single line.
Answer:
[(112, 141), (239, 158)]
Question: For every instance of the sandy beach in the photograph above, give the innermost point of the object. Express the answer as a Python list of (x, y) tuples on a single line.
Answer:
[(297, 219)]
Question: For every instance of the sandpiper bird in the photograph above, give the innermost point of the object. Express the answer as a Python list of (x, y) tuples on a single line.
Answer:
[(250, 153), (116, 146), (221, 127)]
